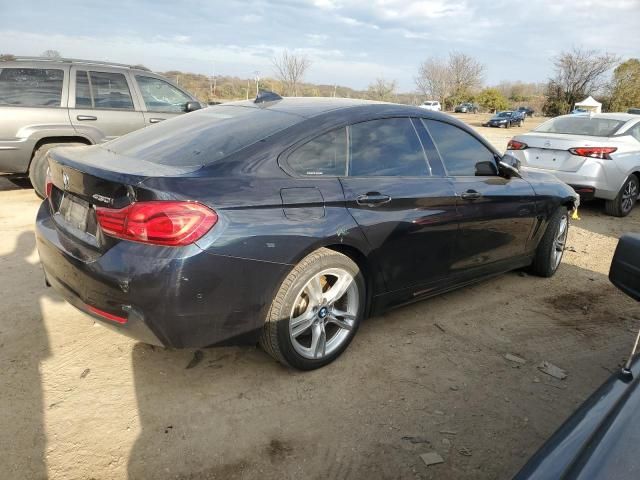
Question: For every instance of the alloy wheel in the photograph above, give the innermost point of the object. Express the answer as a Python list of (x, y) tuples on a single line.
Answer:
[(560, 241), (629, 196), (324, 313)]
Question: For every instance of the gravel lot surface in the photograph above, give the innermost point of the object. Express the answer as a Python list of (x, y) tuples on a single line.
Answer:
[(78, 401)]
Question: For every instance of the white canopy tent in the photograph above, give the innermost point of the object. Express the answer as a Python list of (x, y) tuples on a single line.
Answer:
[(590, 104)]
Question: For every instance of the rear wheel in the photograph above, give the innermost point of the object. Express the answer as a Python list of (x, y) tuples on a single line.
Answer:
[(316, 311), (622, 205), (551, 248), (38, 167)]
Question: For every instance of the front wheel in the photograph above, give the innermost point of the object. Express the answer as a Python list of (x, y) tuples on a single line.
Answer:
[(551, 248), (316, 312), (622, 205)]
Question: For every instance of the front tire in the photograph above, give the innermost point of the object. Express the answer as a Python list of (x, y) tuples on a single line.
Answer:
[(38, 166), (622, 205), (316, 312), (551, 248)]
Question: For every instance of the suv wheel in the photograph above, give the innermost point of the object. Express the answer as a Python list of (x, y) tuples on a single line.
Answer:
[(551, 248), (38, 166), (316, 312), (622, 205)]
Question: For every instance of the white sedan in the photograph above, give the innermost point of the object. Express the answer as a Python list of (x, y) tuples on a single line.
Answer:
[(597, 154), (431, 105)]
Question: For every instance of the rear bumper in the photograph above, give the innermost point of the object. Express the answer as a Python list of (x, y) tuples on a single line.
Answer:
[(174, 297), (606, 182)]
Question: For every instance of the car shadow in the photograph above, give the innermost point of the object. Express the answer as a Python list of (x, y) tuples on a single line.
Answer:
[(24, 345)]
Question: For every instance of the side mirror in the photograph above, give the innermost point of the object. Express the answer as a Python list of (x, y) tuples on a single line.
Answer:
[(625, 266), (511, 161), (192, 106), (509, 171)]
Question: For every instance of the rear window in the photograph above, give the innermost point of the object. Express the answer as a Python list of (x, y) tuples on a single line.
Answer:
[(202, 137), (31, 87), (581, 125)]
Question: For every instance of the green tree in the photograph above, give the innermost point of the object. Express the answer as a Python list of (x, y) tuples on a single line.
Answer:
[(492, 99), (625, 87)]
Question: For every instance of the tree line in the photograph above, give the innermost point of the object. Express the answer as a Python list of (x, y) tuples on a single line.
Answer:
[(457, 78)]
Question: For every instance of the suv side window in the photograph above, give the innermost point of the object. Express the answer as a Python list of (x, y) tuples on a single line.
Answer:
[(325, 155), (102, 90), (161, 96), (31, 87), (387, 148), (462, 153)]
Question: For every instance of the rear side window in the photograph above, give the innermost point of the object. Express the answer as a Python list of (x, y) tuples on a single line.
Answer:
[(461, 153), (325, 155), (202, 137), (31, 87), (102, 90), (388, 148), (161, 96)]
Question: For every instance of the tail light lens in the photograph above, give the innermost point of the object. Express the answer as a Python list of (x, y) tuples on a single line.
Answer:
[(516, 145), (158, 222), (593, 152), (48, 184)]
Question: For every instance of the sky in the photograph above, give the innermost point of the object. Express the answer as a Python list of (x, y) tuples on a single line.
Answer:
[(350, 43)]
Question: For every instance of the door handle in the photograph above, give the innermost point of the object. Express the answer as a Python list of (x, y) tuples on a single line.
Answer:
[(83, 118), (372, 199), (155, 120), (471, 195)]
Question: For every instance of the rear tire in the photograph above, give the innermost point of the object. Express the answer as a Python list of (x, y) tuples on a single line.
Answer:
[(549, 253), (622, 205), (308, 326), (38, 166)]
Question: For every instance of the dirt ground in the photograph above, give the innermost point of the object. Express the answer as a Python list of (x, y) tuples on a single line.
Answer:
[(78, 401)]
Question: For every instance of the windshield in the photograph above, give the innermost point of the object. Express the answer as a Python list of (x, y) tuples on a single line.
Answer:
[(202, 137), (503, 114), (581, 125)]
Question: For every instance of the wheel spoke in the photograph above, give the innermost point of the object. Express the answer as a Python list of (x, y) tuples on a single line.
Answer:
[(338, 289), (318, 340), (341, 323), (301, 324), (341, 314), (314, 289)]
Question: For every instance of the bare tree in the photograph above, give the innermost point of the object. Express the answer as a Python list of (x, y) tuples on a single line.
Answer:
[(580, 72), (51, 54), (451, 79), (433, 79), (290, 69), (382, 89), (6, 57)]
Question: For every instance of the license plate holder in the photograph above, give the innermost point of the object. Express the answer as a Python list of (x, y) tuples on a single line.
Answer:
[(74, 211)]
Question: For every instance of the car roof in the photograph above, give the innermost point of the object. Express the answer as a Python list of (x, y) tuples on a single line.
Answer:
[(43, 62), (623, 117), (308, 107)]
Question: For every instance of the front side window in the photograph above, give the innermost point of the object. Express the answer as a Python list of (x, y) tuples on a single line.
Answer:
[(461, 153), (325, 155), (102, 90), (161, 96), (31, 87), (388, 148)]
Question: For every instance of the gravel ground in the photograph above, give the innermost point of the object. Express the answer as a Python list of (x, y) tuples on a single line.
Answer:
[(78, 401)]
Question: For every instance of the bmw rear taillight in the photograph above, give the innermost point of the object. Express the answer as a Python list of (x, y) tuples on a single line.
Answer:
[(516, 145), (171, 223), (602, 153)]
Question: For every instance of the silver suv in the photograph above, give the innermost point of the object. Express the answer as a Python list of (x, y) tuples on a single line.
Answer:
[(51, 102)]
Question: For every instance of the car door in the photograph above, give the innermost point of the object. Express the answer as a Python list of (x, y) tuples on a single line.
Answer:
[(162, 100), (405, 210), (102, 104), (497, 214)]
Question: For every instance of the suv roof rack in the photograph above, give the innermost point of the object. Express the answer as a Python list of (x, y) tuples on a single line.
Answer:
[(78, 61)]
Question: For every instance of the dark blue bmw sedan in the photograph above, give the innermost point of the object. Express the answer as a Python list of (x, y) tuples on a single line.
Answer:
[(288, 221)]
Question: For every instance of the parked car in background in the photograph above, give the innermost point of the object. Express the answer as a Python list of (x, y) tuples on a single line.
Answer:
[(467, 108), (431, 105), (600, 439), (635, 111), (597, 154), (527, 111), (45, 103), (577, 111), (506, 119), (287, 221)]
